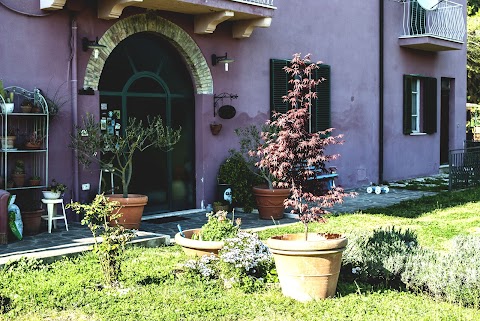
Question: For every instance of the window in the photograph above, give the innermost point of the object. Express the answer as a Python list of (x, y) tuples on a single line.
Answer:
[(420, 104), (279, 86)]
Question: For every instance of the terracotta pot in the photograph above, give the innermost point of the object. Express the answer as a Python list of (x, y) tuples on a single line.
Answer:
[(33, 182), (132, 209), (26, 109), (270, 202), (18, 179), (215, 128), (197, 247), (29, 145), (308, 270), (32, 221)]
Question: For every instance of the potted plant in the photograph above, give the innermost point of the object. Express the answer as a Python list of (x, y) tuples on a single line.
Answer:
[(235, 172), (269, 196), (308, 264), (31, 212), (116, 153), (215, 128), (34, 180), (18, 175), (26, 105), (8, 142), (6, 101), (54, 190), (209, 238), (34, 140)]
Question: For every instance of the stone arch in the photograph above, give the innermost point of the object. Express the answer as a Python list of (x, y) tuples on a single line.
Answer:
[(202, 78)]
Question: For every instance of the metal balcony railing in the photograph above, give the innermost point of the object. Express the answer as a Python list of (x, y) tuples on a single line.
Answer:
[(261, 3), (445, 20)]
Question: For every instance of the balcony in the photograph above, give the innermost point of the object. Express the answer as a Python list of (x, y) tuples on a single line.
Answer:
[(245, 14), (439, 28)]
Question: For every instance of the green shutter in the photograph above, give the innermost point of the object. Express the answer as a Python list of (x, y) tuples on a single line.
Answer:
[(407, 104), (278, 85), (321, 112), (430, 105)]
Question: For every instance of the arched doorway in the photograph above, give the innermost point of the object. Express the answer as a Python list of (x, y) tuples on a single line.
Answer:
[(145, 76)]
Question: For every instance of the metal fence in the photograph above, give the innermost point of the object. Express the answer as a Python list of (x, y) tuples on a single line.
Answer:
[(464, 168), (445, 20)]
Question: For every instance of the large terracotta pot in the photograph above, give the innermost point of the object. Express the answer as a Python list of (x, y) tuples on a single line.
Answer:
[(270, 202), (132, 209), (197, 247), (308, 270), (32, 221)]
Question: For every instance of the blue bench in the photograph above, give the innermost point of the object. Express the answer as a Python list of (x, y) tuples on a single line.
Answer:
[(329, 179)]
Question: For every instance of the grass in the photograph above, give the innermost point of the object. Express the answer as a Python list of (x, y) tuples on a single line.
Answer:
[(153, 286)]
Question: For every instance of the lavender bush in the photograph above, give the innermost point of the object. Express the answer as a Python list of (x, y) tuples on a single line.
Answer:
[(244, 262)]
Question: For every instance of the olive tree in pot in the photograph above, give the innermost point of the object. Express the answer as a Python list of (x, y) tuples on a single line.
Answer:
[(270, 196), (308, 264), (115, 152)]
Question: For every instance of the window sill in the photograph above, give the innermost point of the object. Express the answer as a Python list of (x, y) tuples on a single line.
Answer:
[(417, 134)]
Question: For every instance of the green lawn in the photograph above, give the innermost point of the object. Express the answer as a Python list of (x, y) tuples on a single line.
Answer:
[(153, 286)]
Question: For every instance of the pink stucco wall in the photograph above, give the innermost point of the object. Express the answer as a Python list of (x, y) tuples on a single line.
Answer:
[(35, 52)]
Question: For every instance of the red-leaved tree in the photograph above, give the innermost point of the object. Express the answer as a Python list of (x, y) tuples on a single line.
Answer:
[(294, 155)]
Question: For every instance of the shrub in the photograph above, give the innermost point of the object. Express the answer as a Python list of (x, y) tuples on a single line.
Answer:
[(97, 216), (379, 256), (235, 171), (218, 227), (455, 275), (244, 262)]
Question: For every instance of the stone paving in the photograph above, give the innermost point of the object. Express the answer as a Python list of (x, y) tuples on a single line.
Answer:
[(158, 231)]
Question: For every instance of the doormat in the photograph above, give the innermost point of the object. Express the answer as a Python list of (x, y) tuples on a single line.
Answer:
[(168, 219)]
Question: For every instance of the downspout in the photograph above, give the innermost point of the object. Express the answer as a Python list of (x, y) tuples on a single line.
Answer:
[(380, 88), (73, 84)]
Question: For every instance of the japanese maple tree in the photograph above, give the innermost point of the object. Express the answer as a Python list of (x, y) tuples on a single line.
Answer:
[(294, 155)]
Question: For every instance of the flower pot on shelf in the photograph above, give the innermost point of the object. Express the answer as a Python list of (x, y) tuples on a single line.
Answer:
[(26, 109), (9, 142), (197, 247), (32, 221), (308, 270), (33, 182), (270, 202), (29, 145), (18, 179), (7, 108)]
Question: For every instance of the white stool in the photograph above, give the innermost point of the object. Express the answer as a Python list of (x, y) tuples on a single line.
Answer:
[(52, 215), (110, 170)]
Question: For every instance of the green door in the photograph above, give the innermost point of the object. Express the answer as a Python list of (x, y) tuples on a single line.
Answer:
[(145, 76)]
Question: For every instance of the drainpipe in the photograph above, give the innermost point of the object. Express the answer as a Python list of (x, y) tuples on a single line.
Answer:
[(380, 88), (73, 84)]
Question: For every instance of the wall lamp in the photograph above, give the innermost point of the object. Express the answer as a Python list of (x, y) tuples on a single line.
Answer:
[(89, 44), (223, 59)]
